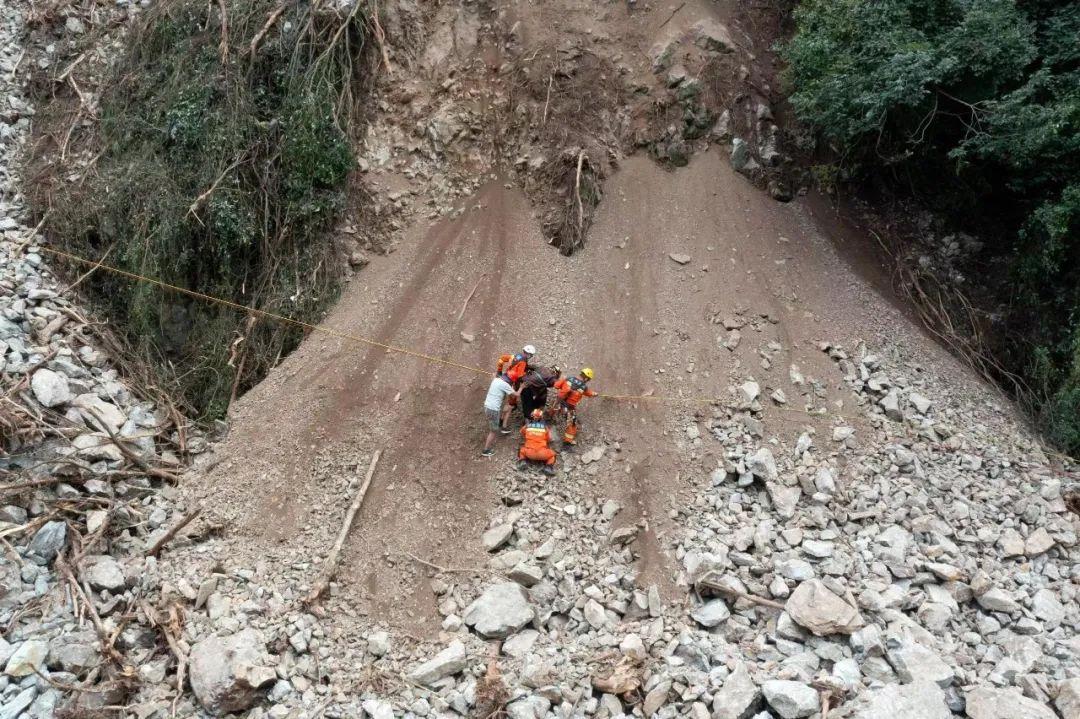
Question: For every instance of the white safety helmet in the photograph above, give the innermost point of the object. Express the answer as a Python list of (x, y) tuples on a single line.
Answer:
[(529, 350)]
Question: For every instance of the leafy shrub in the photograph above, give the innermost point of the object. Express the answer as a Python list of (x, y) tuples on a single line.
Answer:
[(222, 171), (985, 95)]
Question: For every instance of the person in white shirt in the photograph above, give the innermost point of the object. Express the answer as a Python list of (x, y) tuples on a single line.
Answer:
[(498, 391)]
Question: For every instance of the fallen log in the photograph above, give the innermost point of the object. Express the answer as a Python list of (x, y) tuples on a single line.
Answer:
[(184, 521), (330, 565)]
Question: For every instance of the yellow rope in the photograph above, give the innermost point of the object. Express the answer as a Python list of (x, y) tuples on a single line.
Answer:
[(355, 338)]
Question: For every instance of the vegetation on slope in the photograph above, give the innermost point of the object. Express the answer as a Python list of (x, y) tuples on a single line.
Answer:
[(225, 154), (974, 106)]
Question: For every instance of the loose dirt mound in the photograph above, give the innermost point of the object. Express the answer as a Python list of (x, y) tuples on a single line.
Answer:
[(647, 324)]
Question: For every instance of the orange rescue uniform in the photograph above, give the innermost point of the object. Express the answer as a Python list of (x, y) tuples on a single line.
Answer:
[(536, 447), (571, 390), (513, 366)]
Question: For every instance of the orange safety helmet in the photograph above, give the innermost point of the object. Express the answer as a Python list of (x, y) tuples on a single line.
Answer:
[(538, 414)]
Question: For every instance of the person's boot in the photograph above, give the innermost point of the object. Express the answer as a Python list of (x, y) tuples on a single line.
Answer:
[(548, 470), (521, 465)]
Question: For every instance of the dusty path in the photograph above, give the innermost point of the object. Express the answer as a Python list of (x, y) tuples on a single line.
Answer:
[(644, 322)]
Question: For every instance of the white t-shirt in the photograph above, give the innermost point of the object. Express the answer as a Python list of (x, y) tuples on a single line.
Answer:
[(496, 392)]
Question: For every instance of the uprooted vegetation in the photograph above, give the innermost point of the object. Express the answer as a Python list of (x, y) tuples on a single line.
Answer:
[(223, 156)]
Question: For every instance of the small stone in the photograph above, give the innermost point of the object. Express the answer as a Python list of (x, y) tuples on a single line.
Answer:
[(998, 600), (27, 658), (595, 614), (920, 403), (918, 700), (497, 536), (791, 700), (378, 644), (50, 388), (521, 643), (680, 258), (48, 541), (500, 611), (104, 573), (739, 698), (712, 613), (813, 606), (632, 646), (762, 464), (446, 663), (1039, 542), (914, 662), (987, 703), (656, 698), (1068, 699)]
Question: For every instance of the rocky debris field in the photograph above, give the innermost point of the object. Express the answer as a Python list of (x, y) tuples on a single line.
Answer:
[(908, 552), (909, 555)]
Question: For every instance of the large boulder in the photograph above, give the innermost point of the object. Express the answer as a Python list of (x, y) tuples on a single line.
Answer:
[(739, 698), (815, 607), (918, 700), (228, 672), (987, 703), (500, 611)]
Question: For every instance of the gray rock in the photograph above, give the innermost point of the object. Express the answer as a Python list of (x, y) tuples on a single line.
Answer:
[(521, 643), (762, 464), (1046, 607), (27, 658), (740, 154), (791, 700), (918, 700), (1011, 543), (785, 500), (915, 663), (890, 403), (711, 613), (682, 259), (532, 706), (227, 673), (921, 404), (378, 709), (1039, 542), (813, 606), (497, 536), (1068, 699), (378, 644), (48, 541), (104, 573), (500, 611), (19, 704), (13, 514), (998, 600), (656, 698), (987, 703), (739, 698), (446, 663), (76, 658), (50, 388), (595, 614), (711, 35)]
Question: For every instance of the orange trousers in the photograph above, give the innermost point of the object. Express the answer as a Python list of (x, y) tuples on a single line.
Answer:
[(545, 455)]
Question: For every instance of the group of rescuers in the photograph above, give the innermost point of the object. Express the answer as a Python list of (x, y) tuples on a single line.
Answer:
[(519, 383)]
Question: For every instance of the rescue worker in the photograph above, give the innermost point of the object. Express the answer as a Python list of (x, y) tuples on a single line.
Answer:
[(536, 446), (498, 396), (570, 391), (514, 367), (534, 389)]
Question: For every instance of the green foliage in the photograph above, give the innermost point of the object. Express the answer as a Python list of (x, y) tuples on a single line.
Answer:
[(222, 171), (985, 95)]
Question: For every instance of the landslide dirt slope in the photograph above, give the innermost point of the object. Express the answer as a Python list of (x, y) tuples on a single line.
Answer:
[(643, 321)]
